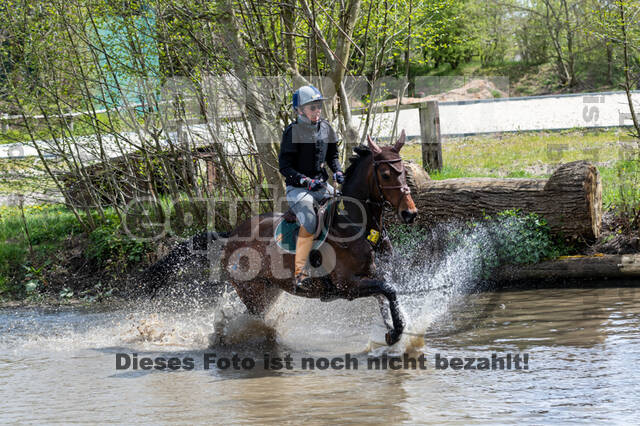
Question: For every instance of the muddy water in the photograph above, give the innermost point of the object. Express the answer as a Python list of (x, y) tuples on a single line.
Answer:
[(583, 350)]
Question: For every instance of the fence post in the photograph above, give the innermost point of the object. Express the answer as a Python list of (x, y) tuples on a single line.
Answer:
[(430, 133)]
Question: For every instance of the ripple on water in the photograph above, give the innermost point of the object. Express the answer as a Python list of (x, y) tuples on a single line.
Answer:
[(583, 348)]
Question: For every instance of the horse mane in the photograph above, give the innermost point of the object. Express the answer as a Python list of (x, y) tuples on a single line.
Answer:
[(361, 153)]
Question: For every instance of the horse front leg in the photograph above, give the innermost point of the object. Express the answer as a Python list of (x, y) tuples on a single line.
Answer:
[(386, 248), (366, 287), (384, 312)]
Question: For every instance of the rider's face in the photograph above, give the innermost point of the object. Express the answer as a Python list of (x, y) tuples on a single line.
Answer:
[(312, 111)]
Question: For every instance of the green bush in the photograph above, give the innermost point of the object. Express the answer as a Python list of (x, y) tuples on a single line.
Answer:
[(511, 237), (404, 237), (524, 238), (5, 285), (108, 243)]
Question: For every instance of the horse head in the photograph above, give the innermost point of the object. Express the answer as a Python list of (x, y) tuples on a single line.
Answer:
[(389, 179)]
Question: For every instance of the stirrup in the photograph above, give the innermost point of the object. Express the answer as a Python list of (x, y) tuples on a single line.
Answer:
[(301, 281)]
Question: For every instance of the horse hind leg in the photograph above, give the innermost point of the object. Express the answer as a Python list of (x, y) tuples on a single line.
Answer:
[(257, 296)]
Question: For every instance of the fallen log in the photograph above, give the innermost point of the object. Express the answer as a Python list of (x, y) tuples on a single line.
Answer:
[(570, 200), (598, 266)]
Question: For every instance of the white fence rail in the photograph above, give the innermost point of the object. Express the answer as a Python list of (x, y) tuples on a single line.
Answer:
[(552, 112)]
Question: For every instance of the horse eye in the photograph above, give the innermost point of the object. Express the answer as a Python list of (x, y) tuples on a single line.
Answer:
[(386, 175)]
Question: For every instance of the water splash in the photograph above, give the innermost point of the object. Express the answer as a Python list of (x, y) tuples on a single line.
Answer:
[(437, 276)]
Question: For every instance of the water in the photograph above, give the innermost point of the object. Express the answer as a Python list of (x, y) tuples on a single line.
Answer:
[(583, 346)]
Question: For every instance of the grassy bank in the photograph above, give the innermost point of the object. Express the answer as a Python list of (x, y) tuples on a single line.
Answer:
[(537, 154), (525, 79), (46, 251)]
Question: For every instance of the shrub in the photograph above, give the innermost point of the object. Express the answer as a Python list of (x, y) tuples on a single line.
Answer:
[(108, 243), (511, 237), (524, 238)]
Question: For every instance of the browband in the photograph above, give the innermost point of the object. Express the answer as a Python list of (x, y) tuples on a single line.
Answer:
[(405, 188)]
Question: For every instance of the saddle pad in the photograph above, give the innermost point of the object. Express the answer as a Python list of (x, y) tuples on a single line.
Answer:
[(286, 235)]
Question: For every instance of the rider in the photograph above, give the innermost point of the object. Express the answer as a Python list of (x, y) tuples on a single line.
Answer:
[(308, 145)]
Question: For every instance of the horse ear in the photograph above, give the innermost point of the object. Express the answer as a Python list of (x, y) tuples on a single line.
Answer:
[(373, 146), (400, 142)]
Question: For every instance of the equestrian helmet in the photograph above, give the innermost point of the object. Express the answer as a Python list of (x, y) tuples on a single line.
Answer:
[(305, 95)]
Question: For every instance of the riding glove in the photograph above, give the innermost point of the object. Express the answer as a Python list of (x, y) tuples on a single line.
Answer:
[(311, 184), (338, 177)]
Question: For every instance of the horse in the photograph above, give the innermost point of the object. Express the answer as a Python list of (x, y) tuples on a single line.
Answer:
[(376, 179)]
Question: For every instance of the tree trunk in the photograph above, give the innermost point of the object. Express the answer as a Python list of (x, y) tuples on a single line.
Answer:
[(570, 53), (570, 201), (258, 117), (289, 17), (627, 74), (609, 61), (553, 24), (573, 267), (343, 51)]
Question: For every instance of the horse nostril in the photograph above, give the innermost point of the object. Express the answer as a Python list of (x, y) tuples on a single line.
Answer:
[(408, 216)]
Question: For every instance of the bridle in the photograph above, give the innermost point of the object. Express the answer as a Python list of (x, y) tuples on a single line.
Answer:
[(404, 188), (385, 204)]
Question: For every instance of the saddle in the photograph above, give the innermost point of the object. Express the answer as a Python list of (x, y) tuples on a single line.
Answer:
[(289, 216), (286, 232)]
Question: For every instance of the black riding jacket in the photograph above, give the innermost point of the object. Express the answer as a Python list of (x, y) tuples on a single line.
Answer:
[(306, 149)]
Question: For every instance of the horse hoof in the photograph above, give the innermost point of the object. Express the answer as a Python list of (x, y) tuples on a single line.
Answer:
[(392, 337)]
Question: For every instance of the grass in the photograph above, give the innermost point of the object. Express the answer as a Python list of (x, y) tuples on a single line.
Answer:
[(621, 185), (48, 227), (504, 154), (535, 154), (26, 262), (82, 126)]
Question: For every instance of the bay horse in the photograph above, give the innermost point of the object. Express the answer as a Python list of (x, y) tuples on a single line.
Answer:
[(375, 179)]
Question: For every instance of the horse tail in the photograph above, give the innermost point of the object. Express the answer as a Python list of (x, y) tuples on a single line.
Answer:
[(193, 250)]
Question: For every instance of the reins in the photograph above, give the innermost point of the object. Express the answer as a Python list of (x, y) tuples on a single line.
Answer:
[(381, 203)]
